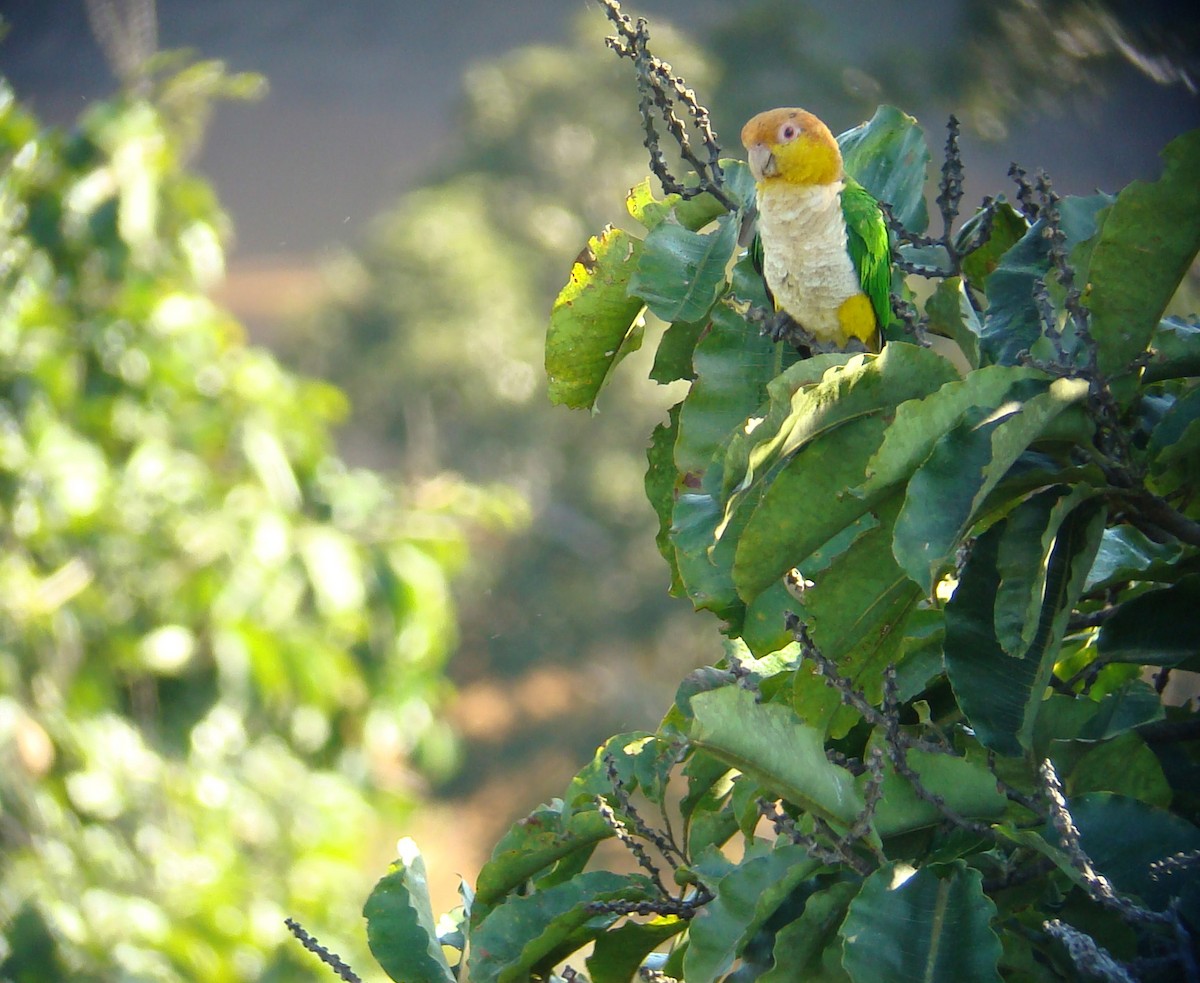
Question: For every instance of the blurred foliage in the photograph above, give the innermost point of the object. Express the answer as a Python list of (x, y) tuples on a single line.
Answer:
[(221, 648), (437, 329), (998, 62)]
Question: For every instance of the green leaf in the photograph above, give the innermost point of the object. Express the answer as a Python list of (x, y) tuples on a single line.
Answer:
[(966, 464), (681, 273), (531, 846), (888, 156), (1124, 765), (965, 786), (1124, 838), (771, 745), (1021, 562), (618, 953), (745, 898), (1145, 245), (1000, 695), (1007, 227), (673, 358), (919, 423), (400, 925), (952, 316), (542, 928), (1127, 553), (1013, 323), (857, 610), (1158, 628), (802, 946), (1175, 351), (931, 927), (1175, 444), (733, 365), (805, 505), (662, 483), (863, 386), (705, 569), (594, 322)]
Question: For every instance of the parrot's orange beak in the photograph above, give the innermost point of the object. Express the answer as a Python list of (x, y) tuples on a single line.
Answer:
[(762, 162)]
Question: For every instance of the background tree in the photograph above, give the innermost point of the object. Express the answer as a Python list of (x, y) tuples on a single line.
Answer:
[(220, 647)]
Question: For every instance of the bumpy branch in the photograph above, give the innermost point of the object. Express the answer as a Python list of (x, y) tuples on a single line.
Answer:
[(330, 959), (660, 91)]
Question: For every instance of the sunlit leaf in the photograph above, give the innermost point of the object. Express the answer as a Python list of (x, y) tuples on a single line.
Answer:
[(594, 320), (400, 924)]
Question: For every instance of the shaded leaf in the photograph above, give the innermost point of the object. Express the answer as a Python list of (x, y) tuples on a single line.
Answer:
[(1000, 695), (680, 273), (1007, 227), (541, 929), (1146, 243), (662, 483), (804, 945), (966, 464), (618, 953), (1158, 628), (745, 898)]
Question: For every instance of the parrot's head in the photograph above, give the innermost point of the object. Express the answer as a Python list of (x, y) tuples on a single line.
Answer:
[(792, 146)]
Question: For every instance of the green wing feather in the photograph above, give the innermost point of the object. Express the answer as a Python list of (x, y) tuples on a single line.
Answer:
[(870, 251)]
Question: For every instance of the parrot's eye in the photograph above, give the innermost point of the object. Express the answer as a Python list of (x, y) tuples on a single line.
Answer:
[(788, 132)]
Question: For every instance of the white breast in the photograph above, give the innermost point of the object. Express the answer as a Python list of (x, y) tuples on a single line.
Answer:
[(805, 260)]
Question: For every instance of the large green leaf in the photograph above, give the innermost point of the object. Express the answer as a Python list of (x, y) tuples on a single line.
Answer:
[(705, 569), (1127, 553), (680, 273), (1021, 562), (964, 786), (920, 423), (1001, 695), (861, 387), (771, 745), (888, 155), (733, 364), (952, 316), (542, 928), (1159, 628), (619, 952), (857, 611), (1013, 323), (1146, 243), (594, 321), (805, 506), (807, 944), (966, 464), (400, 925), (531, 846), (745, 898), (933, 926)]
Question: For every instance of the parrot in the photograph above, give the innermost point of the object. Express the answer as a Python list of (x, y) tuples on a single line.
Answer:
[(824, 244)]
